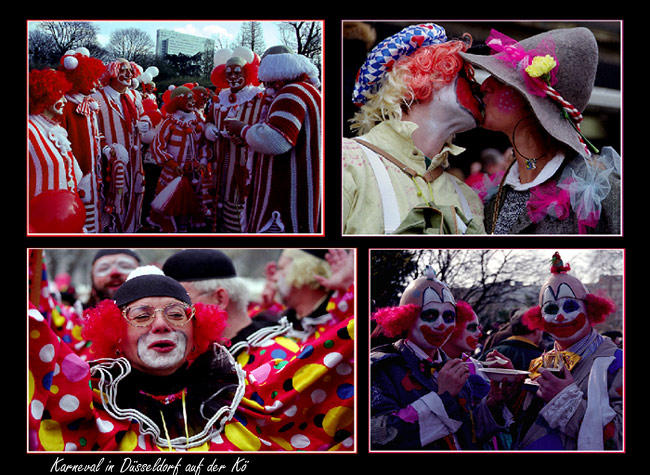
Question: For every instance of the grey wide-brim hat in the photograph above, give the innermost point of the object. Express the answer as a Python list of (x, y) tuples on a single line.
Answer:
[(576, 53)]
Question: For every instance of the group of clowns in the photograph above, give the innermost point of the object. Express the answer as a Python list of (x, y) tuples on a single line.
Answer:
[(150, 369), (430, 390), (93, 134)]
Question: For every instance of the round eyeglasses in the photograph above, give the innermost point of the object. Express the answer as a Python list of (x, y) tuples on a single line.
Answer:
[(176, 314)]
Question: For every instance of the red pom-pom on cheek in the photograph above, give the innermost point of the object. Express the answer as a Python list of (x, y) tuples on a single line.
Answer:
[(104, 327), (209, 324), (598, 308), (396, 320), (533, 319)]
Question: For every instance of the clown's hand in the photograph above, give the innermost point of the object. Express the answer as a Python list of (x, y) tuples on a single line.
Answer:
[(118, 152), (551, 385), (452, 377), (342, 265), (211, 132), (234, 127), (143, 126), (494, 359)]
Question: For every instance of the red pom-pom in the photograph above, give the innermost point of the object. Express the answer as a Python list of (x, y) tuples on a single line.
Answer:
[(104, 327), (532, 318), (396, 320), (209, 323), (598, 308), (57, 211)]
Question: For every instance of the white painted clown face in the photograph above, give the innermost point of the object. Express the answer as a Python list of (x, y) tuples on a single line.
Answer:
[(125, 75), (467, 339), (56, 110), (436, 322), (235, 76), (159, 348), (565, 315)]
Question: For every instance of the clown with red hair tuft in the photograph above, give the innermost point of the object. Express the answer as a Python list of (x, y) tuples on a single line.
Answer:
[(121, 122), (53, 167), (239, 96), (578, 402), (160, 374), (80, 120), (423, 398)]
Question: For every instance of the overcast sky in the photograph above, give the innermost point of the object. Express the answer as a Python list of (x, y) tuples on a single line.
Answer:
[(227, 30)]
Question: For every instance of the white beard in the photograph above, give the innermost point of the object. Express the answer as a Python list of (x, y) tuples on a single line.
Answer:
[(155, 360)]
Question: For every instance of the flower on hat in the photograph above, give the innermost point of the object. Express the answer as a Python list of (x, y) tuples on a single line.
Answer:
[(541, 66)]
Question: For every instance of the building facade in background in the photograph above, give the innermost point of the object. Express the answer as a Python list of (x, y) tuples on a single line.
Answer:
[(171, 42)]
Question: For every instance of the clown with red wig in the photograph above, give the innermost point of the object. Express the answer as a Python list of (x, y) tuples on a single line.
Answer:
[(421, 398), (414, 93), (121, 122), (53, 166), (160, 380), (286, 185), (80, 120), (577, 401), (239, 97), (175, 148)]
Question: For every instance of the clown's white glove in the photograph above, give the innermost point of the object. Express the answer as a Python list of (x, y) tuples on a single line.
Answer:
[(211, 132)]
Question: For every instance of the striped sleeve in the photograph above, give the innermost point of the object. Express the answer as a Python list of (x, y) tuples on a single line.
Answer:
[(287, 112)]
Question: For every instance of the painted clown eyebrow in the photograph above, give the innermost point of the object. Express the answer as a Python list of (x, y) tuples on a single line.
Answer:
[(563, 291)]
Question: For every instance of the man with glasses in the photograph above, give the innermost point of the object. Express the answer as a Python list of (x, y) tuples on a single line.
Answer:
[(160, 379), (109, 270)]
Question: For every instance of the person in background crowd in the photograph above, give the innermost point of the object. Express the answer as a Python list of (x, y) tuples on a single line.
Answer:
[(209, 276), (523, 346), (121, 121), (52, 164), (109, 270), (240, 97)]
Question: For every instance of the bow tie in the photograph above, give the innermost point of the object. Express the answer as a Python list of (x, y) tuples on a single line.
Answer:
[(429, 367), (551, 359)]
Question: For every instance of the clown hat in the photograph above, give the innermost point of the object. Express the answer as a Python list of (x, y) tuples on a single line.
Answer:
[(575, 53), (381, 58)]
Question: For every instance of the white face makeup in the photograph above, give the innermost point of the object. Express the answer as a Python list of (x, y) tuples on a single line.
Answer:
[(56, 109), (565, 316), (125, 75), (437, 320), (161, 352), (453, 103), (158, 348), (469, 337)]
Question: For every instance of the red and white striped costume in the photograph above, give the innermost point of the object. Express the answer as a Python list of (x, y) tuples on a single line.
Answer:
[(80, 120), (176, 148), (124, 186), (233, 162), (52, 165), (286, 187)]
